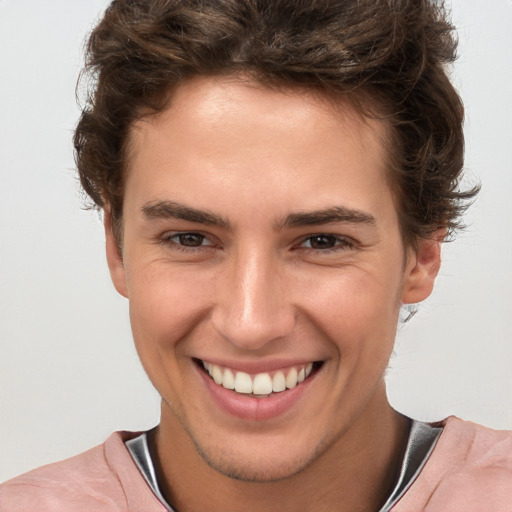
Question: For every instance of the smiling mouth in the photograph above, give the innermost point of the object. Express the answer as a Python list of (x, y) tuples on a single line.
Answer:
[(261, 385)]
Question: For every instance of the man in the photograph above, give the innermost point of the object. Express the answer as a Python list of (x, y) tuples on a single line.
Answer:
[(276, 180)]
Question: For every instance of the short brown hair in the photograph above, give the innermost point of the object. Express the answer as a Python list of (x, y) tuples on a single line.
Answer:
[(391, 51)]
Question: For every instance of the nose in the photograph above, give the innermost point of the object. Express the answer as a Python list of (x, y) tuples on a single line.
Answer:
[(253, 307)]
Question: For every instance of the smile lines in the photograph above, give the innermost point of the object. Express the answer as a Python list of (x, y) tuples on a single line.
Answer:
[(262, 384)]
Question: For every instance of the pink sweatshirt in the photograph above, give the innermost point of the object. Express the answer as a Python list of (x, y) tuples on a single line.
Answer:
[(470, 470)]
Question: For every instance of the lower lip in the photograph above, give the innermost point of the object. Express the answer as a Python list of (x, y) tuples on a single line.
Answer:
[(248, 407)]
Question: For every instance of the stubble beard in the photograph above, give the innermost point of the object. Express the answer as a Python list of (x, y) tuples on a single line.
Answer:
[(259, 472)]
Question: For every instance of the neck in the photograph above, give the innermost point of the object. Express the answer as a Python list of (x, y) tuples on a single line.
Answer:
[(356, 473)]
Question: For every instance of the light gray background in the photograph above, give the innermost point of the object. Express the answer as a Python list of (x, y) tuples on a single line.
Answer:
[(68, 372)]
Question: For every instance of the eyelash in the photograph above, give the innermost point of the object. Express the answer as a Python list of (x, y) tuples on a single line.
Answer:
[(167, 240), (340, 243)]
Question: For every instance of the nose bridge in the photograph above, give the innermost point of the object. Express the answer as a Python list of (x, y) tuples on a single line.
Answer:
[(254, 308)]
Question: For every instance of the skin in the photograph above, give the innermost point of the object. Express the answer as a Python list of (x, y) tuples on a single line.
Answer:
[(252, 285)]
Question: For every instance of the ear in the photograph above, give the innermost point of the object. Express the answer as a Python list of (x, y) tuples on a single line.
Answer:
[(114, 256), (422, 268)]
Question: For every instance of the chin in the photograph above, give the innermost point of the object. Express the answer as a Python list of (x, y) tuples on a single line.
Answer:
[(260, 470), (260, 463)]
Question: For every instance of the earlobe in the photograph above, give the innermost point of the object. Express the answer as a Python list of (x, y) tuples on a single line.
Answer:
[(114, 256), (422, 269)]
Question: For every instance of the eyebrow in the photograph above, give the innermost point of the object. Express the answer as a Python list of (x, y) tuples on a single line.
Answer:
[(174, 210), (326, 216)]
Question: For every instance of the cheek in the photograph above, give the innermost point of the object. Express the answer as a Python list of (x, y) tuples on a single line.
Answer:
[(165, 314), (164, 305), (353, 295), (357, 311)]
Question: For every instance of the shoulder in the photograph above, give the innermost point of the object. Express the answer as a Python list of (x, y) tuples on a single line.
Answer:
[(465, 447), (469, 470), (100, 479)]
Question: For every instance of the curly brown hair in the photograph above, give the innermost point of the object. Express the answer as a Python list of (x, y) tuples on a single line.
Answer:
[(386, 57)]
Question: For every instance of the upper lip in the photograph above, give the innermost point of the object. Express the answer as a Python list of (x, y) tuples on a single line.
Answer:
[(261, 366)]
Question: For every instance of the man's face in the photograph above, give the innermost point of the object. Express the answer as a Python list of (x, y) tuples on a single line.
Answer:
[(261, 244)]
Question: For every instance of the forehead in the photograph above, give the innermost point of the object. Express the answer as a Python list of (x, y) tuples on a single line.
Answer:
[(222, 134), (216, 102)]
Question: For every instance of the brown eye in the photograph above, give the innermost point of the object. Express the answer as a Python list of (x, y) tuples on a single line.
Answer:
[(189, 239), (325, 242), (322, 241)]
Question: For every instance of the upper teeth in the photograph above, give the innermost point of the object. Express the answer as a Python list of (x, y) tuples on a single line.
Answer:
[(261, 383)]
